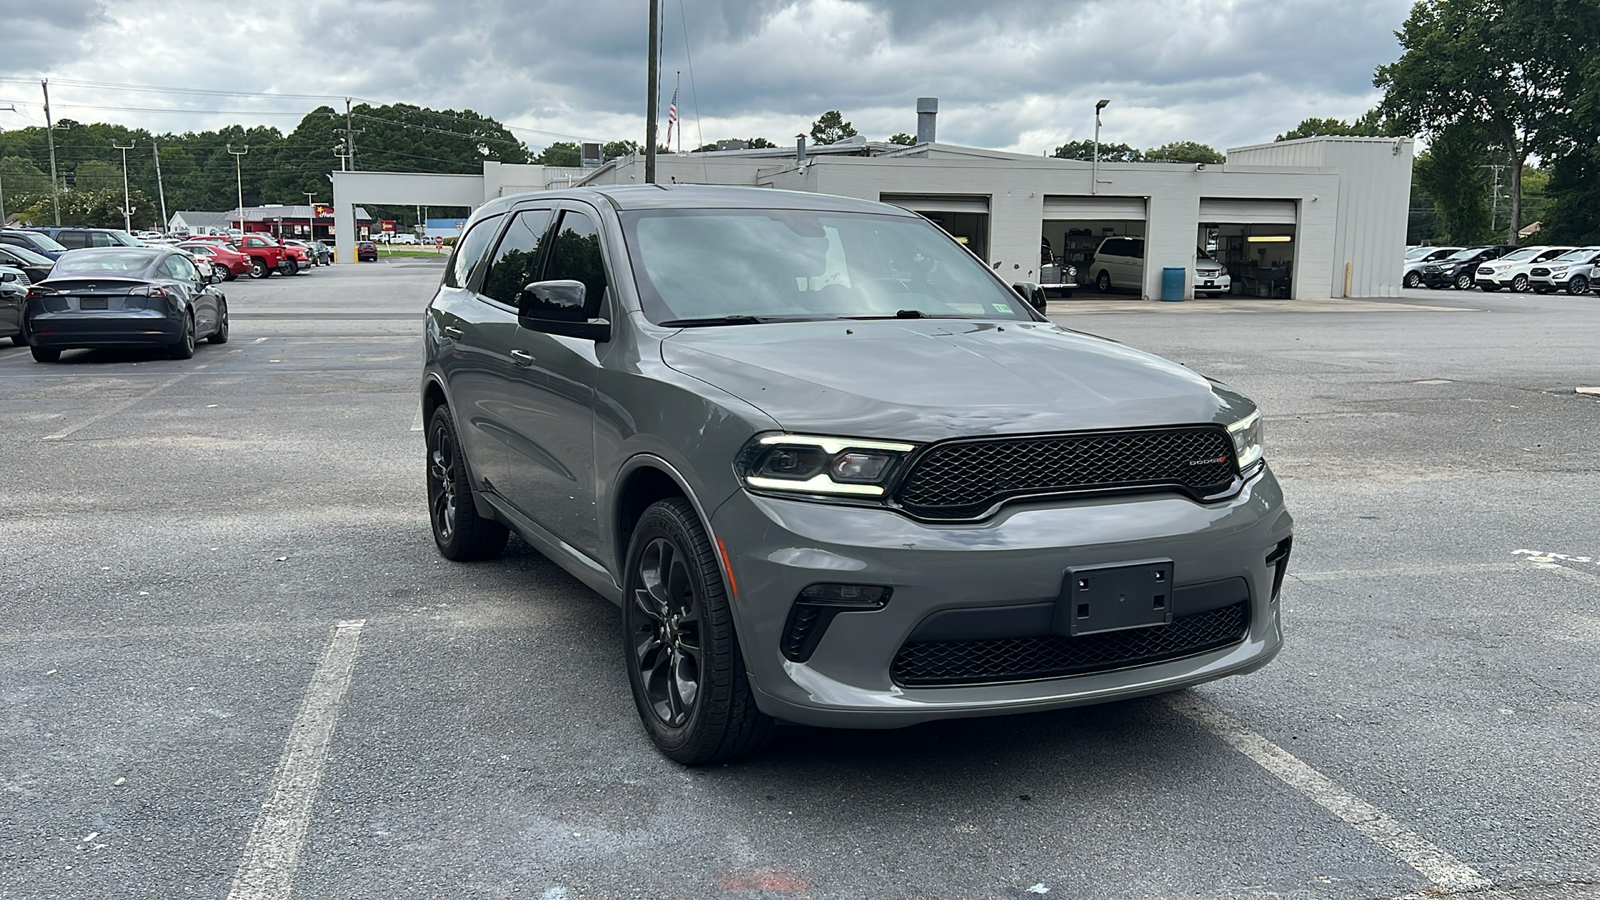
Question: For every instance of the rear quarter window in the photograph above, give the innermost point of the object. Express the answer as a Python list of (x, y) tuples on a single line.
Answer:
[(470, 251)]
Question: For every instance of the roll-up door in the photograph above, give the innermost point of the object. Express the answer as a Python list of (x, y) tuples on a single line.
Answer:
[(952, 203), (1247, 212), (1095, 208)]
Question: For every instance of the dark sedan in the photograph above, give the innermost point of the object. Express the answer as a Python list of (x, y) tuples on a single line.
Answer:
[(35, 265), (124, 297), (1457, 270)]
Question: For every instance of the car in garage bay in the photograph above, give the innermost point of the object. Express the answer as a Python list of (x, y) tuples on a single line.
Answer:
[(833, 469), (124, 297)]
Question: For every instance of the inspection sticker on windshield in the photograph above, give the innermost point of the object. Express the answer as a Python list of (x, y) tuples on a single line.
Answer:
[(1000, 307)]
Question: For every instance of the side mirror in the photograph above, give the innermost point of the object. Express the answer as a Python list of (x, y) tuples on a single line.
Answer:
[(1032, 293), (557, 307)]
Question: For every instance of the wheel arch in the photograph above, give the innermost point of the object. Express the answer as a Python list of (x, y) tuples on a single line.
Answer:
[(646, 479)]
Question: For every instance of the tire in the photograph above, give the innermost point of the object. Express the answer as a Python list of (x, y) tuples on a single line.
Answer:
[(1578, 285), (1519, 284), (1464, 282), (45, 354), (460, 533), (184, 348), (220, 336), (682, 654), (291, 266), (1412, 280), (1103, 282), (258, 269), (19, 340), (230, 276)]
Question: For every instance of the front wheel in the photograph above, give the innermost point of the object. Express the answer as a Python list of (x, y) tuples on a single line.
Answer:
[(461, 534), (683, 659), (1103, 282), (1519, 284), (291, 266), (1578, 285), (45, 354)]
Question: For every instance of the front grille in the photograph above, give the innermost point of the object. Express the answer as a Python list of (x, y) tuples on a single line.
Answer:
[(962, 479), (1485, 270), (1538, 270), (992, 661)]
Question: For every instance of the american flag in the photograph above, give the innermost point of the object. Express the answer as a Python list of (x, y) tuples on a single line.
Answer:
[(672, 115)]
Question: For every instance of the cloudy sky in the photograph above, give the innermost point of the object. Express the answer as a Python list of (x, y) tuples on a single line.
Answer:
[(1019, 75)]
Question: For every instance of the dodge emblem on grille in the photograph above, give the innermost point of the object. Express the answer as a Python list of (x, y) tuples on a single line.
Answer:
[(1221, 460)]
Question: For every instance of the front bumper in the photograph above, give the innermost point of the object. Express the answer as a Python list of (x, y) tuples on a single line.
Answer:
[(1217, 284), (113, 328), (1015, 560)]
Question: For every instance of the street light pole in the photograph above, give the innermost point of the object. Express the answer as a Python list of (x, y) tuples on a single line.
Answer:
[(238, 177), (161, 189), (1094, 187), (127, 214), (653, 92), (311, 215)]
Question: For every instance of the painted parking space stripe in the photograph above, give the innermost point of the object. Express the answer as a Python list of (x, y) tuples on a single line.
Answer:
[(273, 852), (1436, 864), (69, 432)]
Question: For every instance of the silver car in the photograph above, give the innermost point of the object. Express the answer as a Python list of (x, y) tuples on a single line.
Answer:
[(833, 470)]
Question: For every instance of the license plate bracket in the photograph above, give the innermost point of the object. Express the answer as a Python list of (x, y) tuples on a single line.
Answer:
[(1115, 597), (93, 303)]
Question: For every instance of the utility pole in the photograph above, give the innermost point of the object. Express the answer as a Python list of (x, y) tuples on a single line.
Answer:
[(653, 76), (350, 132), (161, 190), (50, 138), (238, 176), (127, 213)]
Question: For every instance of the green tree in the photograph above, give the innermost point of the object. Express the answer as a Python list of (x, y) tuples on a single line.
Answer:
[(1185, 152), (1573, 215), (1451, 177), (20, 178), (1511, 68), (831, 128), (1084, 150), (903, 139), (560, 153), (1370, 124), (620, 148), (760, 143), (94, 175)]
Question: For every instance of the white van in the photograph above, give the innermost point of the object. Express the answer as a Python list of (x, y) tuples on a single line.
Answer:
[(1118, 264)]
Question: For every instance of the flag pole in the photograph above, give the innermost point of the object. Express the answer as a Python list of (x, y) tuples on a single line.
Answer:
[(677, 83)]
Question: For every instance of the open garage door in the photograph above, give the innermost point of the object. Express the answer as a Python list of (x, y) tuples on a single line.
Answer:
[(1074, 226), (964, 216), (1247, 212), (1088, 208)]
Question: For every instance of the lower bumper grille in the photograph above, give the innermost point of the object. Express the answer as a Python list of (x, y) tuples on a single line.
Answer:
[(995, 661)]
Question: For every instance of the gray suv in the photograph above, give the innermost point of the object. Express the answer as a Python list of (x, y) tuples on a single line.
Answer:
[(833, 470)]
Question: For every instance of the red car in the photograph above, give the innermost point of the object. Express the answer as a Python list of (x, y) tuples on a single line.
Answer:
[(266, 256), (366, 250), (230, 261)]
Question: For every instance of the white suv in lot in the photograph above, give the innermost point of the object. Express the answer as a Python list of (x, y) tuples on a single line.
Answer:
[(1572, 272), (1511, 271)]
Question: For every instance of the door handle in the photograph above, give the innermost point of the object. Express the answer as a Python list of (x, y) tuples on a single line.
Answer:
[(522, 357), (452, 331)]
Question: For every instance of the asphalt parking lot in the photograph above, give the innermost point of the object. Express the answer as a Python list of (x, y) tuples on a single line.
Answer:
[(232, 664)]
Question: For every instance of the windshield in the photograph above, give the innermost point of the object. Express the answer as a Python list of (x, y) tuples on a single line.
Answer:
[(1581, 254), (1418, 252), (1201, 256), (1467, 253), (102, 261), (1522, 255), (44, 241), (704, 267), (28, 256)]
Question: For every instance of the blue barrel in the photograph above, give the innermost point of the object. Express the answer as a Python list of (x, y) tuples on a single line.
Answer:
[(1172, 283)]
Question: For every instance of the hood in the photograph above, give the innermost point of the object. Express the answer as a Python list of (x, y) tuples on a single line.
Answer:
[(929, 379)]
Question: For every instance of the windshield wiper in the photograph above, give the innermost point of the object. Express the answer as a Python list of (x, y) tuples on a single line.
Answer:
[(909, 314), (712, 320)]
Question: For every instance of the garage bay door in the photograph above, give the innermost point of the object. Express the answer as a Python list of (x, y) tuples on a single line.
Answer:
[(1247, 212), (1120, 209), (948, 203)]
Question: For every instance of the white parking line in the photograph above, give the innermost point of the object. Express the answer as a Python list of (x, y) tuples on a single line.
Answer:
[(273, 851), (69, 432), (1435, 864), (416, 424)]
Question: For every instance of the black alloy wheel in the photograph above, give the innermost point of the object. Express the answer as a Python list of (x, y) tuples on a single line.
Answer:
[(45, 354), (184, 348), (684, 666), (1519, 284), (1103, 282), (220, 335), (460, 533), (1464, 281), (258, 269), (1578, 285), (1412, 279)]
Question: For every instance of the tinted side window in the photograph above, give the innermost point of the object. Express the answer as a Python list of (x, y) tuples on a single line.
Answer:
[(575, 255), (1136, 248), (73, 240), (516, 259), (469, 251)]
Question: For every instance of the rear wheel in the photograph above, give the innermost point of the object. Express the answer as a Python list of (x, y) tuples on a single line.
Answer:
[(458, 530), (1412, 280), (45, 354), (683, 659), (1578, 285), (258, 269), (220, 336), (184, 348), (1464, 282)]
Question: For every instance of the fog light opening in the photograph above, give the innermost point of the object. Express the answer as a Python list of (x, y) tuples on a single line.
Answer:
[(814, 609), (1279, 560)]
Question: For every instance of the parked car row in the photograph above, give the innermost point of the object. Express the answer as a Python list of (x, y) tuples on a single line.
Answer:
[(1542, 270)]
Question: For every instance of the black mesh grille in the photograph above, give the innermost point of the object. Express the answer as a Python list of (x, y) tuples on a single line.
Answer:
[(964, 478), (944, 663)]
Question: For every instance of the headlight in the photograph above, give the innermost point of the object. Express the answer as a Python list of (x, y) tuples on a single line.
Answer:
[(1073, 271), (1247, 437), (804, 464)]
